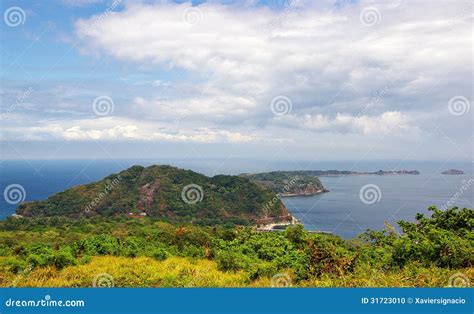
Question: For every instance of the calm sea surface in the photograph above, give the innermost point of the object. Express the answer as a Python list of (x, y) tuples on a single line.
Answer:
[(341, 211)]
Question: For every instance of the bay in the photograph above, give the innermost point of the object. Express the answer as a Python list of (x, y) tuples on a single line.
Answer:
[(341, 211)]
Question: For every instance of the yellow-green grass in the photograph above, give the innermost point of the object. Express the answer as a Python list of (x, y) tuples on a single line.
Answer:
[(412, 275), (130, 272), (183, 272)]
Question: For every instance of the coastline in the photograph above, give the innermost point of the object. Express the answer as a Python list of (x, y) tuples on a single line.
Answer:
[(321, 191)]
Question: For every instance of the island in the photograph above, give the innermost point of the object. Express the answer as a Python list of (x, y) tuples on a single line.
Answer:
[(162, 226), (394, 172), (166, 193), (330, 173), (453, 172)]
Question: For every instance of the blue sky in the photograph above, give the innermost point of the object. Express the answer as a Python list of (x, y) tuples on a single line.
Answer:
[(46, 39), (299, 79)]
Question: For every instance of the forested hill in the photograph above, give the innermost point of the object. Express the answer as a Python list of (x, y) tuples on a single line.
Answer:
[(288, 183), (166, 193), (307, 182)]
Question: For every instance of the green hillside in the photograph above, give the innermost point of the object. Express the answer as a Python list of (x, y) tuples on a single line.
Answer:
[(435, 250), (165, 193), (288, 183)]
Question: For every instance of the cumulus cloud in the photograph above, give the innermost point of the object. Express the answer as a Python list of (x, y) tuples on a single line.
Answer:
[(247, 55), (113, 129), (390, 122), (219, 67), (133, 132)]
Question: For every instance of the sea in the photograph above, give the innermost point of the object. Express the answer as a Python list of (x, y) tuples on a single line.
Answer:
[(353, 205)]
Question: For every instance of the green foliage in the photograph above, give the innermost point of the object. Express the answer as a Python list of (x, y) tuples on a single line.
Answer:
[(282, 182), (429, 245), (230, 261), (157, 191), (85, 259), (329, 256), (262, 269), (295, 234), (40, 255), (63, 258), (159, 254), (446, 239)]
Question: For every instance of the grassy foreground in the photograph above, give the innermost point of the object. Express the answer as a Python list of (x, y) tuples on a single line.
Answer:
[(181, 272), (60, 252)]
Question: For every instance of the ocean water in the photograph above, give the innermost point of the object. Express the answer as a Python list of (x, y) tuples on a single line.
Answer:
[(343, 211)]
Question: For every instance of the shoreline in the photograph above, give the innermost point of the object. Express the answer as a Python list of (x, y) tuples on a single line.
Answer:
[(304, 194)]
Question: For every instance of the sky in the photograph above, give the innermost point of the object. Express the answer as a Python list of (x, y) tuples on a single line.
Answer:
[(307, 80)]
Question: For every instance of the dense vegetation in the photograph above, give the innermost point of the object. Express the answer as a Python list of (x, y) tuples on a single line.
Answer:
[(61, 251), (287, 183), (167, 193)]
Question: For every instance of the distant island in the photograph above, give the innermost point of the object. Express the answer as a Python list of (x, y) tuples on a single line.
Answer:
[(328, 173), (307, 182), (391, 172), (453, 171)]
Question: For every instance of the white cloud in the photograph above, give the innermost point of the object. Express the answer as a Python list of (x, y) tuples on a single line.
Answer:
[(119, 129), (215, 79), (159, 83), (246, 56), (390, 122)]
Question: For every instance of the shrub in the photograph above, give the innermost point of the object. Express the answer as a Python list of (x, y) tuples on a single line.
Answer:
[(295, 234), (85, 259), (63, 258), (159, 254), (230, 261), (40, 255), (263, 269)]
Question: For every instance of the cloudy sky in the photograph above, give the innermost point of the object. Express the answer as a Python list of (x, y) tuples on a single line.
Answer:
[(327, 80)]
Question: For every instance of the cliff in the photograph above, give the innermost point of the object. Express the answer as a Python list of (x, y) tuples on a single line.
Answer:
[(288, 183)]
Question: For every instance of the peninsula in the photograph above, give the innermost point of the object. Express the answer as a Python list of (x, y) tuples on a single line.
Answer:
[(165, 193), (453, 172), (288, 183)]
